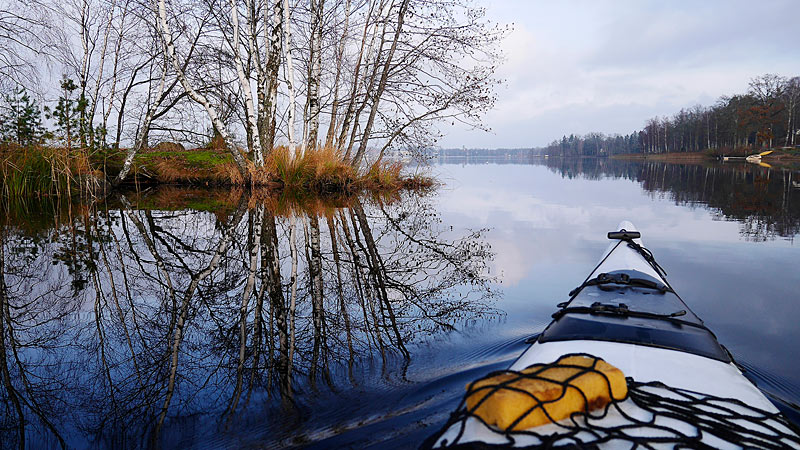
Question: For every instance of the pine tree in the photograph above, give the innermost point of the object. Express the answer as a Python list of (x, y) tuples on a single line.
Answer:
[(67, 113), (20, 119)]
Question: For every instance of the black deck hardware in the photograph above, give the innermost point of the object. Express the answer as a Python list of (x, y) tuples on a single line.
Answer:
[(622, 278), (624, 235)]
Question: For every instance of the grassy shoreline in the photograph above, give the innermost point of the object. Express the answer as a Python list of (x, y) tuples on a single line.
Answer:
[(41, 170), (780, 158)]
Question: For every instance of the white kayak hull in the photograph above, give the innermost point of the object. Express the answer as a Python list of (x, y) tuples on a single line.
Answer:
[(699, 368)]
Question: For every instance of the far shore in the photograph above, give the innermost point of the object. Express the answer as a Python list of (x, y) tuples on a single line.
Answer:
[(667, 157), (789, 158)]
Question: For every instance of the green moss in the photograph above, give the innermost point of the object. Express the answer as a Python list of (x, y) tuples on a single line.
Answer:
[(194, 159), (205, 159), (144, 158)]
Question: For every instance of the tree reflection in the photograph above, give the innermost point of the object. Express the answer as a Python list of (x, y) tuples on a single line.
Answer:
[(764, 201), (186, 313)]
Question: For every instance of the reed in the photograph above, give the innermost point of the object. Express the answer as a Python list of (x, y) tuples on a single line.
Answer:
[(38, 170)]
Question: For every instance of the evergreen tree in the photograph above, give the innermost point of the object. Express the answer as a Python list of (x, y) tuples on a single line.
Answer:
[(20, 119), (67, 113)]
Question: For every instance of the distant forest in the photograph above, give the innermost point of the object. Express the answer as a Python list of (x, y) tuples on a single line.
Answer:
[(764, 117)]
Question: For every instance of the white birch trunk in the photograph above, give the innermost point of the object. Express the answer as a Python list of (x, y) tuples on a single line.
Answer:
[(381, 86), (115, 72), (287, 42), (273, 62), (356, 81), (314, 73), (262, 110), (370, 86), (247, 90), (166, 34), (85, 63), (789, 122), (99, 80)]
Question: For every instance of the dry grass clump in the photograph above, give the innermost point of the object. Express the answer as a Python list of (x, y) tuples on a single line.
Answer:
[(388, 176), (383, 176), (325, 171), (418, 182), (321, 170)]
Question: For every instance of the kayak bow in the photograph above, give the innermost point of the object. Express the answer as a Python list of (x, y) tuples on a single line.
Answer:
[(683, 387)]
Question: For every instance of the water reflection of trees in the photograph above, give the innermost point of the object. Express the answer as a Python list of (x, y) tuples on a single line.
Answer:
[(762, 200), (118, 321)]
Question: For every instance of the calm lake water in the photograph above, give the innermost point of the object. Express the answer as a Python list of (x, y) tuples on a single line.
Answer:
[(166, 317)]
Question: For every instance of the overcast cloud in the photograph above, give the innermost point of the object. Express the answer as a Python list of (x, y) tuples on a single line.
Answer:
[(581, 66)]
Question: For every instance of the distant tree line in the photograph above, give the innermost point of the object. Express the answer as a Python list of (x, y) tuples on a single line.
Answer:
[(594, 144), (513, 153), (764, 117)]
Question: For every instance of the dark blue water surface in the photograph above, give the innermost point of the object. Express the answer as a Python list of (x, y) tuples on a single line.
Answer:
[(165, 318)]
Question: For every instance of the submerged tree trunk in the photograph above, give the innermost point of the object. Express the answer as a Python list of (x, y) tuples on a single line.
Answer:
[(340, 292), (11, 391), (181, 314), (293, 284), (317, 301), (377, 270), (277, 303), (254, 249)]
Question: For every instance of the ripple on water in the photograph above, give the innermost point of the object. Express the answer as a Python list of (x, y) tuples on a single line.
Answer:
[(783, 392), (394, 412)]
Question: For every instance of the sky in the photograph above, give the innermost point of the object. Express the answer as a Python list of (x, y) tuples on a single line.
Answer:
[(580, 66)]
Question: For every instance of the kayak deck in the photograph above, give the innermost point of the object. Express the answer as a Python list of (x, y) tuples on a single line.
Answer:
[(633, 315)]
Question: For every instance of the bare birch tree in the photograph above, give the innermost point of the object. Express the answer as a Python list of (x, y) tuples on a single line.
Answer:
[(198, 97), (379, 74)]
